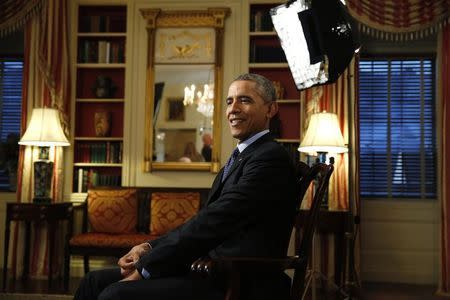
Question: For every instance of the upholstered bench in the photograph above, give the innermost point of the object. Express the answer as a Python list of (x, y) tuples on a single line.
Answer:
[(116, 219)]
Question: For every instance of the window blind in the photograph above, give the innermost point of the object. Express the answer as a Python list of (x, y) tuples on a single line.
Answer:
[(397, 121), (11, 69), (10, 96)]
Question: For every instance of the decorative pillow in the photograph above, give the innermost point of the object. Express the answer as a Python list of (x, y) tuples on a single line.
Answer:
[(113, 211), (169, 210)]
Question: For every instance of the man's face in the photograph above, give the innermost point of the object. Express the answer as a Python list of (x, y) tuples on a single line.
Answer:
[(247, 113)]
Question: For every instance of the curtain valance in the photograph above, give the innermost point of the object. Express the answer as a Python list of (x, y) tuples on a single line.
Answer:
[(399, 19), (15, 13)]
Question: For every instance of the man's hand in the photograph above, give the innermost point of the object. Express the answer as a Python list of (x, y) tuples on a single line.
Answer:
[(126, 262), (134, 275)]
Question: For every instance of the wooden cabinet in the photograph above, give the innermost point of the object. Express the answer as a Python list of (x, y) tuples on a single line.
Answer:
[(267, 58), (100, 96)]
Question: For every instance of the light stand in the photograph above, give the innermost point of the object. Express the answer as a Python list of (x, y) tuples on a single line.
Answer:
[(352, 284), (323, 136), (312, 275)]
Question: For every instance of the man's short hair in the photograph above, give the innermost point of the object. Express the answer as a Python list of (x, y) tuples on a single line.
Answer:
[(264, 85)]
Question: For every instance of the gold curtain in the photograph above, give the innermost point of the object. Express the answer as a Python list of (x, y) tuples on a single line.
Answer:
[(443, 91), (46, 84)]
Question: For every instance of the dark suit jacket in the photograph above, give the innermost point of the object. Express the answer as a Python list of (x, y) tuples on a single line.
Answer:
[(249, 214)]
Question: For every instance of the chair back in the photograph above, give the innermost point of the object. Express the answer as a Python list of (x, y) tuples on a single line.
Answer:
[(319, 174), (232, 267)]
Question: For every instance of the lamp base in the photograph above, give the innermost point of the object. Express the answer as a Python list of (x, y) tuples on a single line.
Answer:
[(43, 174), (42, 200)]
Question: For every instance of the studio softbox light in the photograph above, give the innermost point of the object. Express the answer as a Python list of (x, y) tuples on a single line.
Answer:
[(318, 39)]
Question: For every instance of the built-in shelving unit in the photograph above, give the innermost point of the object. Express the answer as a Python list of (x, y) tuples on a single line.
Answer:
[(100, 96), (266, 57)]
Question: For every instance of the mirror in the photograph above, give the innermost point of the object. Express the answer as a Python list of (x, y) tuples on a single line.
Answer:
[(184, 84)]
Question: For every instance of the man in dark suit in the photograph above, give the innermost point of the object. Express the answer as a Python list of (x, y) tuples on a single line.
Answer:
[(206, 149), (249, 212)]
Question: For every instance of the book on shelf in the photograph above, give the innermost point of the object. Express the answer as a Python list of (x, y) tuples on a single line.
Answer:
[(98, 23), (103, 56), (101, 51), (266, 54), (80, 180), (89, 178), (117, 52), (102, 152), (261, 21)]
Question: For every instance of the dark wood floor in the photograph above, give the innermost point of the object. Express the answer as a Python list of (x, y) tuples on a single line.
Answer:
[(369, 290)]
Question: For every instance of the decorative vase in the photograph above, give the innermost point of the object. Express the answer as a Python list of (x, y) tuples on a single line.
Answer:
[(279, 90), (102, 123)]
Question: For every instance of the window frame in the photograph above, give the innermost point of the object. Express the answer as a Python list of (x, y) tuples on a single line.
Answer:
[(392, 57)]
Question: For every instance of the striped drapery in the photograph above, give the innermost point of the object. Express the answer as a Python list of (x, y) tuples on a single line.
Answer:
[(333, 98), (399, 20), (338, 98), (46, 84), (15, 13), (444, 167)]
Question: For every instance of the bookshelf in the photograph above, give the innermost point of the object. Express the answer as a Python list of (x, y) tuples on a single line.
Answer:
[(100, 96), (267, 58)]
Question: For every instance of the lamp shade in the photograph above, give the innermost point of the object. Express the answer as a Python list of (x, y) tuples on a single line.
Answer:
[(323, 135), (44, 129)]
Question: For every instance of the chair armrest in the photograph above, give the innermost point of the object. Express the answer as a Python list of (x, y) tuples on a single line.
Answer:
[(230, 265)]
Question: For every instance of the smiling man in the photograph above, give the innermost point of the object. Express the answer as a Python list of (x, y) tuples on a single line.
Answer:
[(250, 106), (249, 212)]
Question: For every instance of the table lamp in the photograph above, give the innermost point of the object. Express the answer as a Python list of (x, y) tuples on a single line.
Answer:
[(44, 131), (323, 136)]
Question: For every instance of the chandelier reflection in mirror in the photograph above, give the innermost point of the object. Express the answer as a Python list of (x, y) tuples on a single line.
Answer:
[(204, 99)]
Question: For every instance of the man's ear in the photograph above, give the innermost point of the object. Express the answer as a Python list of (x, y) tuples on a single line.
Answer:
[(273, 109)]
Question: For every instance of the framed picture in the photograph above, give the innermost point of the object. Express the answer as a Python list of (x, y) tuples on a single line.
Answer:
[(175, 111)]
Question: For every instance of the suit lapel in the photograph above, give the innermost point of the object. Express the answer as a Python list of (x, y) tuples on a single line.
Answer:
[(215, 187), (218, 184)]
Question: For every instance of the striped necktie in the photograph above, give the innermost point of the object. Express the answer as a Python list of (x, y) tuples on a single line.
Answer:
[(230, 162)]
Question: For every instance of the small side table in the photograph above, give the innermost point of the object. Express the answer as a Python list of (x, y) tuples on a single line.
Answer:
[(334, 222), (32, 212)]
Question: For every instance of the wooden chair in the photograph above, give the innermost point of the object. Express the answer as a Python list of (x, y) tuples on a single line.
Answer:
[(232, 267)]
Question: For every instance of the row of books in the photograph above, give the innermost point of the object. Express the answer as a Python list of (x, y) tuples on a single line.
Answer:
[(266, 54), (101, 51), (102, 152), (90, 178), (261, 21), (102, 24)]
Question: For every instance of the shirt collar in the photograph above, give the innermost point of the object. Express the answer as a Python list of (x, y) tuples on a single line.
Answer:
[(242, 145)]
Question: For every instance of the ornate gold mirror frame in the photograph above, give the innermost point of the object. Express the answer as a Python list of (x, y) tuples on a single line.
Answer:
[(164, 28)]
